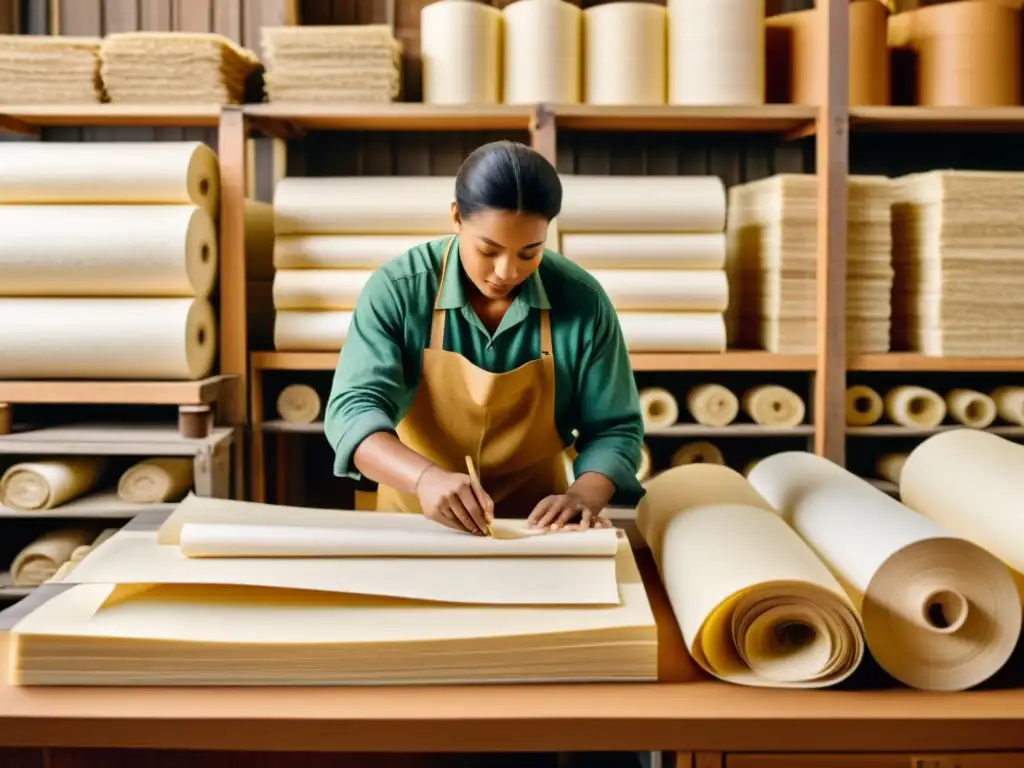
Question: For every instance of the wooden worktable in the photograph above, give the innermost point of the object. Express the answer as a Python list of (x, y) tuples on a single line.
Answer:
[(686, 712)]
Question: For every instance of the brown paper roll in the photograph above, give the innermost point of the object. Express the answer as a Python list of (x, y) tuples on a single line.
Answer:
[(659, 407), (863, 406), (773, 406), (298, 403), (712, 405), (700, 452), (970, 408), (914, 407)]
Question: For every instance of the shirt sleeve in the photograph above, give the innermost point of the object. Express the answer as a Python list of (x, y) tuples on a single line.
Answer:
[(611, 428), (369, 382)]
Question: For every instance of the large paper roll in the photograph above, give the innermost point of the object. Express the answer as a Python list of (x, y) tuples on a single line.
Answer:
[(39, 561), (114, 173), (342, 251), (645, 250), (302, 331), (912, 406), (460, 47), (106, 338), (372, 205), (642, 204), (863, 406), (543, 52), (971, 482), (658, 407), (298, 404), (754, 603), (107, 250), (970, 408), (319, 288), (939, 612), (624, 49), (673, 331), (698, 452), (1010, 403), (35, 485), (716, 52), (694, 290), (644, 470), (773, 406), (156, 481), (712, 405)]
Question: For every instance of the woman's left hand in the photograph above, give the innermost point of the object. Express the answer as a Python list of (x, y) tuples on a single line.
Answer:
[(565, 512)]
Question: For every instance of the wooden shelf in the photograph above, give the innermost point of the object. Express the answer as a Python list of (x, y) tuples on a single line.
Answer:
[(113, 440), (912, 361), (102, 505), (895, 430), (27, 118), (642, 361), (202, 392), (770, 118), (937, 119)]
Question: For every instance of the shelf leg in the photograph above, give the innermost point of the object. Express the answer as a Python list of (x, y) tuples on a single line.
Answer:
[(6, 419), (195, 421)]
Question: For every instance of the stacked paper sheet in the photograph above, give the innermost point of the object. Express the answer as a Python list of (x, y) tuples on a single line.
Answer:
[(140, 67), (40, 69), (772, 253), (343, 63), (656, 245), (235, 593), (957, 243)]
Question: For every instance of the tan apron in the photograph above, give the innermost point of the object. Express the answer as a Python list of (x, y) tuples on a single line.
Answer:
[(504, 421)]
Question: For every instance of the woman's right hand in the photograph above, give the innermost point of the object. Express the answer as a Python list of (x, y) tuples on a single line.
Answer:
[(453, 499)]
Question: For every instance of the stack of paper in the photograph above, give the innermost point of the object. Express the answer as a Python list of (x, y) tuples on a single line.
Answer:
[(772, 236), (342, 64), (236, 593), (198, 68), (957, 244), (40, 69)]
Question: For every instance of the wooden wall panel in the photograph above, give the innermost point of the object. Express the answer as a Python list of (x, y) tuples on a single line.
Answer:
[(10, 17)]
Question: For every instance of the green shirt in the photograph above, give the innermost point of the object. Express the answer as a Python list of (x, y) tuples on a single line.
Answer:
[(595, 392)]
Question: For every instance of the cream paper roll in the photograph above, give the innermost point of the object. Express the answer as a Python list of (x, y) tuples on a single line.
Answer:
[(939, 612), (658, 407), (342, 251), (864, 406), (36, 485), (112, 173), (645, 250), (971, 408), (694, 290), (310, 331), (754, 603), (1009, 403), (107, 250), (156, 481), (673, 331), (773, 406), (716, 52), (39, 561), (712, 405), (319, 288), (107, 338), (623, 204), (698, 452), (911, 406), (298, 404), (890, 465), (543, 52), (460, 49), (624, 53), (370, 205), (644, 470)]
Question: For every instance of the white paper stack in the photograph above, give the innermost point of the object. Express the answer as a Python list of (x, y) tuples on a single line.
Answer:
[(354, 63), (958, 241), (40, 69), (772, 238)]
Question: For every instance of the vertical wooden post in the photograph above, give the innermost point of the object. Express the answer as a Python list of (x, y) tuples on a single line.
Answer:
[(543, 137), (832, 167)]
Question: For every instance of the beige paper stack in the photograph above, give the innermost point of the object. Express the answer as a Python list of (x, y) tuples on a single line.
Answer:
[(361, 63), (40, 69), (656, 245), (772, 264), (957, 240), (162, 67)]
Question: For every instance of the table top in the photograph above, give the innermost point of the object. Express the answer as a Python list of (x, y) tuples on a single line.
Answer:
[(684, 711)]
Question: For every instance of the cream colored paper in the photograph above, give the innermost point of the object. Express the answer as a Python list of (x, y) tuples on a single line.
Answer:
[(342, 251), (40, 560), (543, 50), (310, 331), (657, 204), (864, 406), (911, 406), (697, 452), (45, 484), (112, 173), (679, 290), (319, 288), (712, 405), (645, 250), (754, 604), (368, 205), (106, 338), (673, 331), (939, 612), (658, 407), (773, 406), (107, 250), (970, 408), (156, 480), (624, 48), (890, 466), (460, 48), (1010, 403), (644, 470), (299, 404)]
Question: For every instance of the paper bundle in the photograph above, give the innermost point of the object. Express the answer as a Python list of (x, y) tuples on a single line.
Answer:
[(141, 67), (957, 240), (772, 235), (40, 69), (236, 593), (361, 63)]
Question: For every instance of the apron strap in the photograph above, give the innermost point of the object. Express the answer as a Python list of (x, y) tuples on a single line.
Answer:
[(546, 348), (437, 322)]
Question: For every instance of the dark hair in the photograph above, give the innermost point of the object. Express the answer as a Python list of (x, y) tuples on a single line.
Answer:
[(508, 176)]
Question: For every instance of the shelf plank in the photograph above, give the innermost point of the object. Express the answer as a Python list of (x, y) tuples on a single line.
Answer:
[(895, 430), (101, 505), (101, 115), (110, 440), (201, 392), (676, 430), (642, 361), (912, 361), (769, 118), (937, 119)]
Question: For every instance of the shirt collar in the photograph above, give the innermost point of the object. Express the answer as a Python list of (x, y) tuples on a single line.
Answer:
[(453, 293)]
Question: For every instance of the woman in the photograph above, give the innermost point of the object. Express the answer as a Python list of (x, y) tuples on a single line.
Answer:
[(486, 345)]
